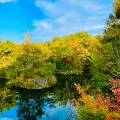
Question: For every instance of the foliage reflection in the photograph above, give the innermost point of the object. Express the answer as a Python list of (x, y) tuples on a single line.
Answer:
[(7, 97)]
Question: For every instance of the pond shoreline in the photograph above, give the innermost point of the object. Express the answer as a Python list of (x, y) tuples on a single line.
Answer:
[(34, 83)]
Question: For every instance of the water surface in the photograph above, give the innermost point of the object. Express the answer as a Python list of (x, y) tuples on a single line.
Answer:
[(46, 104)]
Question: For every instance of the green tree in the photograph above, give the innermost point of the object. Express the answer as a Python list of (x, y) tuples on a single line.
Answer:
[(70, 52), (117, 8), (107, 56), (7, 50)]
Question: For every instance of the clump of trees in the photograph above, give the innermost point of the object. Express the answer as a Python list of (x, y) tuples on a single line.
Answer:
[(78, 53), (70, 54), (105, 65), (25, 61)]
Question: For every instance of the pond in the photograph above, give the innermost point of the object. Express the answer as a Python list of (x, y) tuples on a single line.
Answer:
[(47, 104)]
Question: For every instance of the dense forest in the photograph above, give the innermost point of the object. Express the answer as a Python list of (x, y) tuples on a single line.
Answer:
[(72, 54), (30, 65)]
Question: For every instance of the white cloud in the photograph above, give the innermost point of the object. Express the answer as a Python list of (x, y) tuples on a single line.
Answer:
[(41, 24), (5, 1), (66, 17), (98, 27)]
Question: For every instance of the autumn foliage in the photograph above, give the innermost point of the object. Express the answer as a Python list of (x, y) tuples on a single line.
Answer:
[(101, 107)]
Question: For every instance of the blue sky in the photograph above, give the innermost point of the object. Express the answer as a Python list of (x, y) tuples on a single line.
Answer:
[(45, 19)]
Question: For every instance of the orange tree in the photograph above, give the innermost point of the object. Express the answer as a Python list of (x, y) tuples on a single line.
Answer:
[(71, 52), (101, 107)]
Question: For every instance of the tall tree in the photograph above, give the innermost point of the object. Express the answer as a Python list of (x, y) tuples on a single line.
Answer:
[(109, 53)]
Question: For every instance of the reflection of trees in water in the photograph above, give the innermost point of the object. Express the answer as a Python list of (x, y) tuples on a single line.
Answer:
[(32, 103), (66, 90), (64, 93), (7, 97)]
